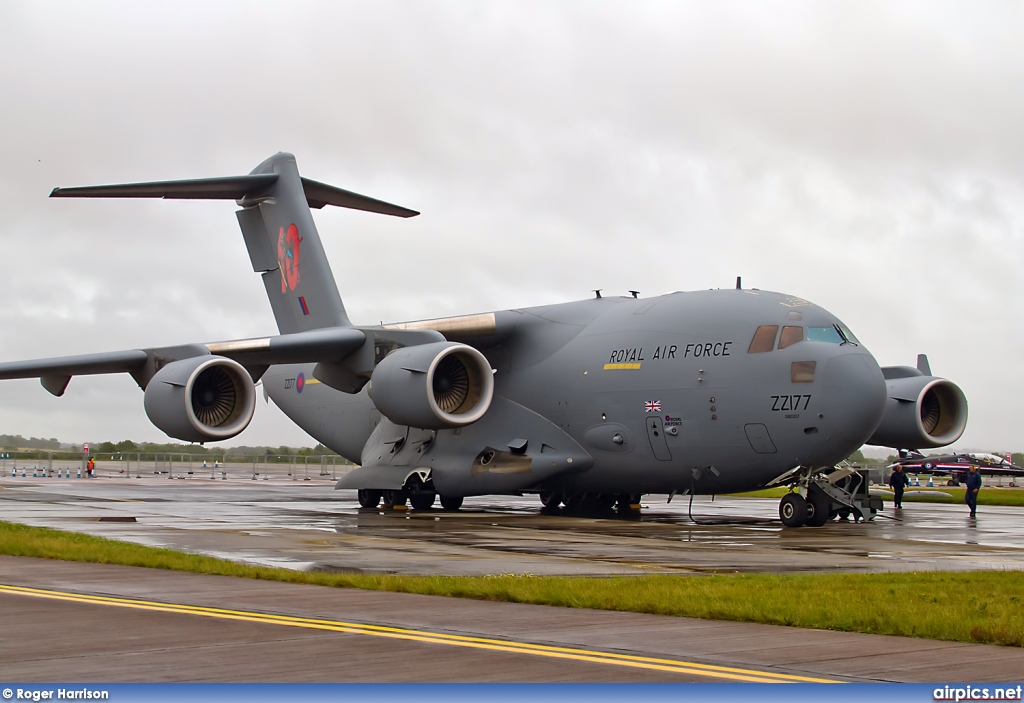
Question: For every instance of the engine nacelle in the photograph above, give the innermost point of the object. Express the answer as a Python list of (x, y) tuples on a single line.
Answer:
[(433, 386), (202, 399), (921, 412)]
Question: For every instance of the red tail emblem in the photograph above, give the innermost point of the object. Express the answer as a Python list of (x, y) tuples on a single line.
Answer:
[(288, 257)]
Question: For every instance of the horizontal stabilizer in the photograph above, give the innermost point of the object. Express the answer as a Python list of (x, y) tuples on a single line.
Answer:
[(229, 188), (320, 194), (253, 185)]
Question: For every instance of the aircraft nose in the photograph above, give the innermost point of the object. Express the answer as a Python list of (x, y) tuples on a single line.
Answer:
[(854, 398)]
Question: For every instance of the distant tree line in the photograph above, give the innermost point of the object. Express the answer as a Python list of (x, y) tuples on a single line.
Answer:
[(16, 441), (127, 446), (12, 443), (65, 450)]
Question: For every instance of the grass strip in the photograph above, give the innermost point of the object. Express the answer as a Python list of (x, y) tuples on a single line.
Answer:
[(986, 607)]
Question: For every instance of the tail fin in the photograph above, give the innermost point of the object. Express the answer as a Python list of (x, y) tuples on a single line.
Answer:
[(279, 233)]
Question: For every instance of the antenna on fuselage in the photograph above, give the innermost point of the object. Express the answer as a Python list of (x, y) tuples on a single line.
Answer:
[(739, 283), (597, 292), (635, 293)]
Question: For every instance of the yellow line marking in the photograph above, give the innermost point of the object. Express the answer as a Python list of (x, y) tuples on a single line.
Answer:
[(594, 656), (616, 367)]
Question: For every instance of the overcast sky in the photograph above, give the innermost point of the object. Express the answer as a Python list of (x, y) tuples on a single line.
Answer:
[(868, 157)]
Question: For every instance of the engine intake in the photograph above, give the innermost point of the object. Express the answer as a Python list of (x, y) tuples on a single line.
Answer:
[(921, 412), (201, 399), (433, 386)]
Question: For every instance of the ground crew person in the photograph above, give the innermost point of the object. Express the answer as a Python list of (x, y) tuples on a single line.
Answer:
[(89, 467), (973, 486), (899, 480)]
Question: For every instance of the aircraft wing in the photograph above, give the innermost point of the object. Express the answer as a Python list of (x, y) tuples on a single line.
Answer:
[(1000, 470), (946, 468), (322, 345), (55, 373)]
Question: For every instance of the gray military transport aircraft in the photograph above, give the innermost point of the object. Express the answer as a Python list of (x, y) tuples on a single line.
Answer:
[(593, 402)]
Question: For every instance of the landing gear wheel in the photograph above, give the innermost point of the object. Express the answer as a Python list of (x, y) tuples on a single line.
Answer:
[(574, 501), (369, 497), (818, 506), (393, 499), (793, 510), (551, 500), (422, 501), (451, 502)]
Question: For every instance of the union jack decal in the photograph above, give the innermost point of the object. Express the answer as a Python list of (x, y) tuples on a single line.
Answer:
[(652, 406)]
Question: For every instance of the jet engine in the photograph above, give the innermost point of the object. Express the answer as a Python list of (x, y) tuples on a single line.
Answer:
[(205, 398), (921, 411), (433, 386)]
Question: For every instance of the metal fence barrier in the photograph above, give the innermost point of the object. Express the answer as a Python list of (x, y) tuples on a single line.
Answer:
[(175, 465)]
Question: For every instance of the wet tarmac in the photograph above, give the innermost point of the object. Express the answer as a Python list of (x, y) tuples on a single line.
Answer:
[(288, 521), (67, 621)]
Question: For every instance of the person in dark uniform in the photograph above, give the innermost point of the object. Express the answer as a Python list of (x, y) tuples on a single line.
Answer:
[(898, 480), (973, 486)]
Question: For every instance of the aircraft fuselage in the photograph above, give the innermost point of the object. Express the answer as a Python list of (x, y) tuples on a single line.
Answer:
[(661, 394)]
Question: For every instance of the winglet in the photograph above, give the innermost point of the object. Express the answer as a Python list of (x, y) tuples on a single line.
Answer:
[(923, 366)]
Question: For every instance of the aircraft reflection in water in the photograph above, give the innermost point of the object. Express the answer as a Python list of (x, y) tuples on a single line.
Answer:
[(593, 402), (956, 465)]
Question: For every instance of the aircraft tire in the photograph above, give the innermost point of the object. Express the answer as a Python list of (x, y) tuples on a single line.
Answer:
[(574, 501), (793, 510), (422, 501), (551, 500), (452, 503), (369, 497), (393, 499), (818, 506)]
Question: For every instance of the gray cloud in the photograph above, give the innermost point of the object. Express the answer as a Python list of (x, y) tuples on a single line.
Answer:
[(866, 156)]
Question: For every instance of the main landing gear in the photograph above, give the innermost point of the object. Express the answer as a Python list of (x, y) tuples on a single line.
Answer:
[(417, 497), (369, 498), (623, 503), (822, 495)]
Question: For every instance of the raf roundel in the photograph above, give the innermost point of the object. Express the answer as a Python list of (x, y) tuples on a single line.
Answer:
[(300, 382)]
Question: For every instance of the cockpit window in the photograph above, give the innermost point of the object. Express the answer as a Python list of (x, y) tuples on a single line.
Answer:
[(824, 334), (790, 336), (764, 339)]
